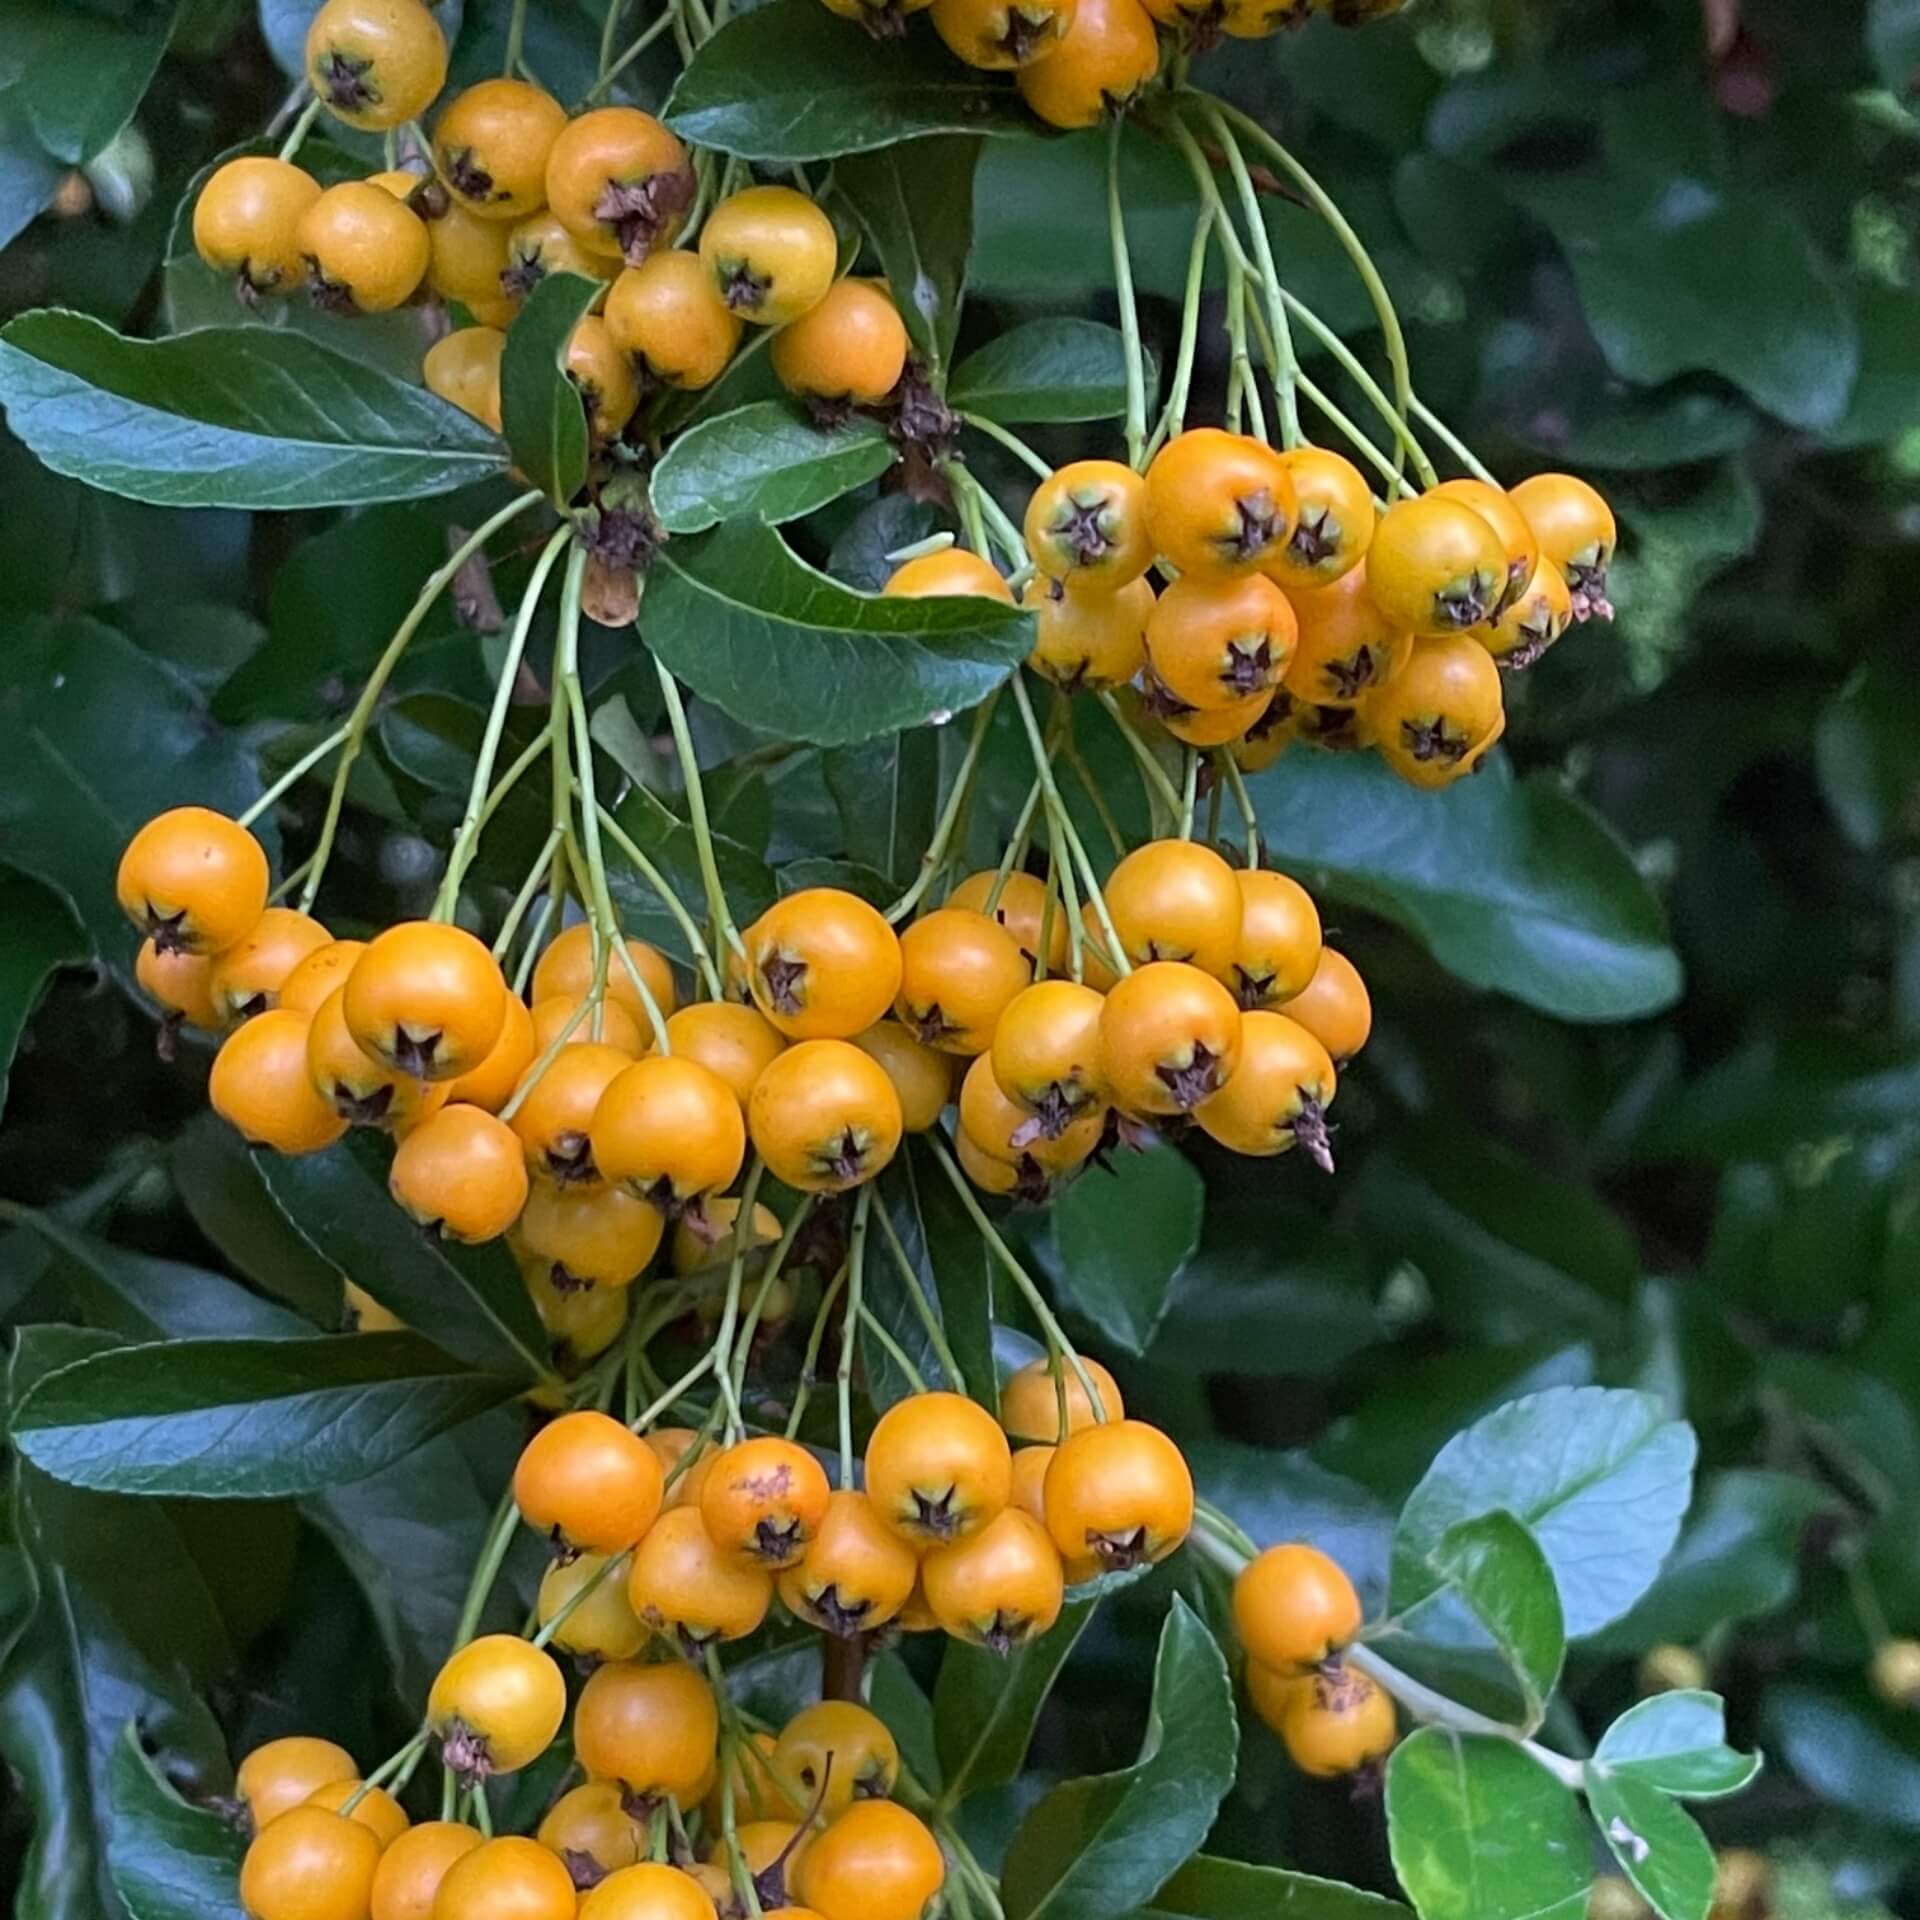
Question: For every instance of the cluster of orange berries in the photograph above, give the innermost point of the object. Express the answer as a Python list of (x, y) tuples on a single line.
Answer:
[(518, 190), (1295, 1611), (1294, 609), (1075, 61), (811, 1813)]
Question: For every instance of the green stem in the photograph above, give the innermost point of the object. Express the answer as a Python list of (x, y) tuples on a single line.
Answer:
[(293, 775), (468, 838), (1236, 781), (297, 133), (935, 857), (1356, 370), (385, 1771), (1050, 1326), (810, 1361), (743, 1346), (1458, 447), (1144, 754), (580, 1594), (1136, 424), (1070, 752), (1286, 375), (524, 898), (922, 1305), (506, 1522), (1323, 203), (691, 1378), (654, 878), (1011, 441), (723, 926), (1173, 417), (362, 714), (663, 25), (730, 1313), (609, 29), (850, 1327), (894, 1350)]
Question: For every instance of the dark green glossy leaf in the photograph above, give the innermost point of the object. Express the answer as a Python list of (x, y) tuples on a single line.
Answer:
[(82, 73), (859, 557), (887, 791), (950, 1260), (1850, 1756), (751, 627), (169, 1860), (230, 417), (41, 939), (915, 201), (1738, 1557), (29, 177), (1047, 371), (1600, 1476), (471, 1297), (1511, 885), (1656, 1843), (1479, 1832), (1676, 1743), (764, 462), (1106, 1842), (1497, 1567), (67, 809), (791, 82), (1120, 1239), (1210, 1889), (141, 1296), (985, 1705), (894, 1694), (1866, 751), (233, 1419), (541, 409)]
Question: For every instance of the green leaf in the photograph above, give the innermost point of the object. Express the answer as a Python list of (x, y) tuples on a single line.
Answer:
[(1677, 1743), (245, 1419), (1844, 1755), (915, 201), (471, 1297), (141, 1296), (541, 410), (1210, 1889), (764, 462), (887, 791), (1598, 1473), (229, 417), (41, 939), (1656, 1843), (29, 177), (1479, 1832), (1510, 885), (1736, 290), (1048, 371), (1104, 1843), (1893, 39), (985, 1705), (1509, 1250), (792, 82), (1120, 1237), (83, 73), (1866, 752), (169, 1860), (668, 841), (1499, 1570), (748, 625), (1738, 1558), (68, 809), (951, 1260)]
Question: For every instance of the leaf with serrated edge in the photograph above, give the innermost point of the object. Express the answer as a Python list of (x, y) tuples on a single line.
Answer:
[(1600, 1475), (1656, 1843), (1099, 1845), (1479, 1832), (230, 417), (245, 1419), (748, 625), (1677, 1742), (764, 462), (793, 82)]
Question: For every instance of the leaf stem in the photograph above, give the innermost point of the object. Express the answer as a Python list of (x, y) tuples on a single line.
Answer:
[(935, 858), (362, 714), (1136, 424), (724, 929), (468, 838), (1050, 1326)]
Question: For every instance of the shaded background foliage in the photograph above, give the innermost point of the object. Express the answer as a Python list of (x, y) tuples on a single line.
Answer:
[(1642, 1102)]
